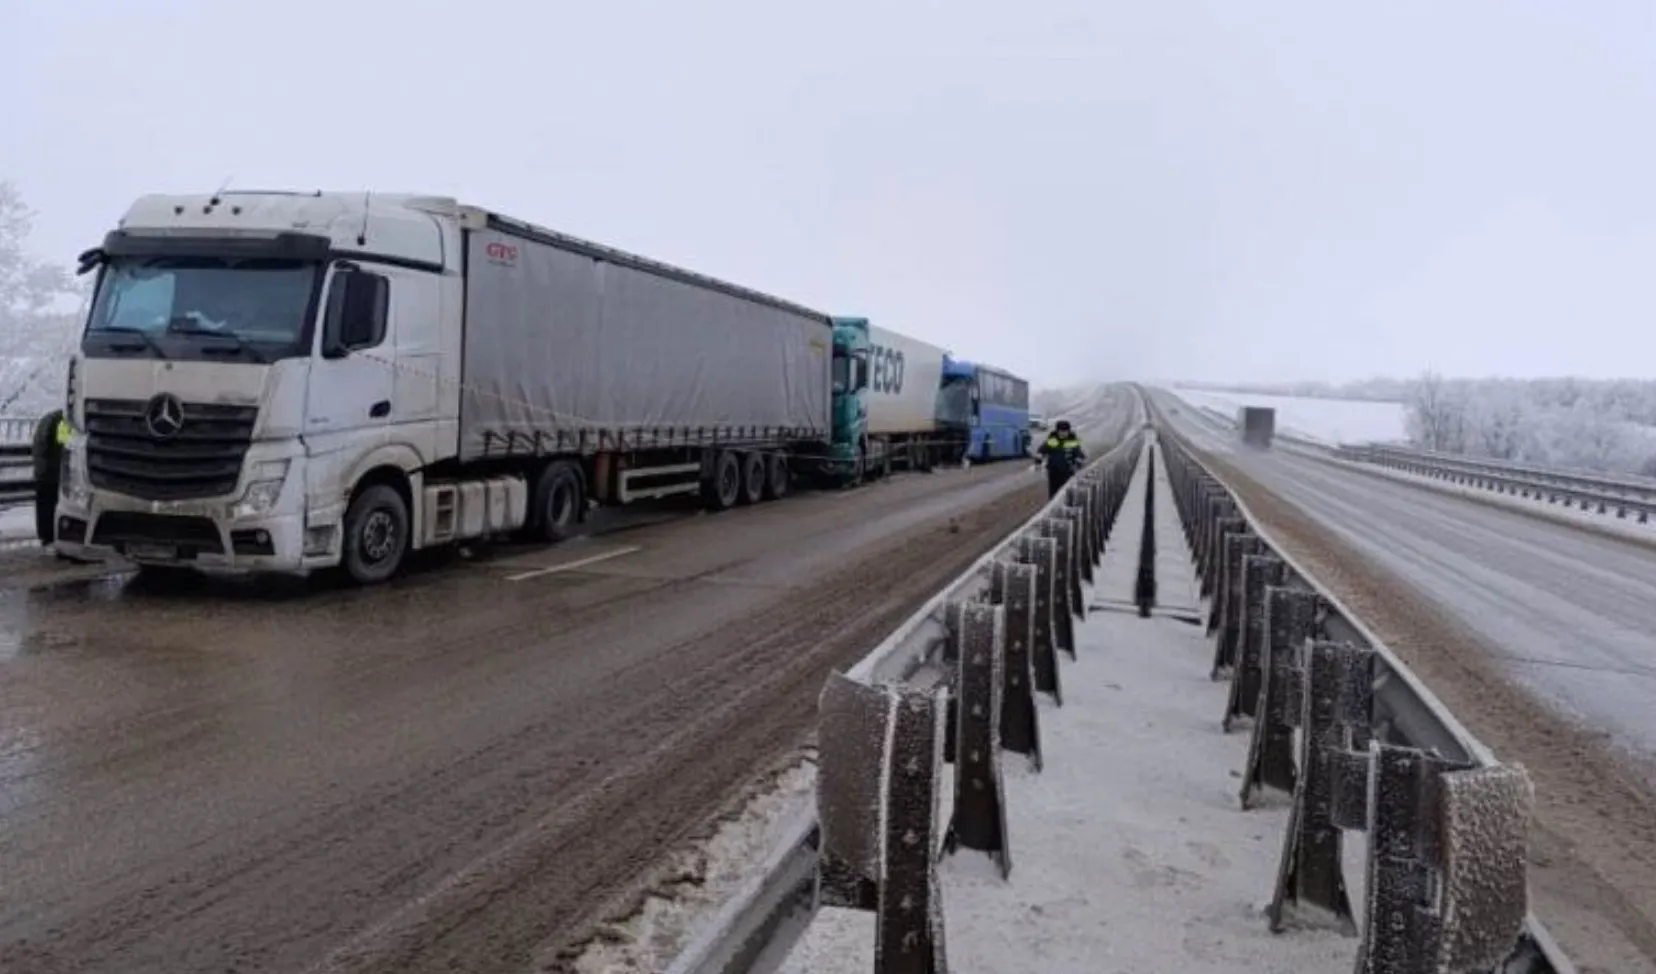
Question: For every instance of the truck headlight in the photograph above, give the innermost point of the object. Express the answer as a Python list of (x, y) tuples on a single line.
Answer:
[(72, 485), (264, 489)]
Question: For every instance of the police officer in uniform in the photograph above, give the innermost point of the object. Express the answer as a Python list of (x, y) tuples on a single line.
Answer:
[(1063, 454), (50, 436)]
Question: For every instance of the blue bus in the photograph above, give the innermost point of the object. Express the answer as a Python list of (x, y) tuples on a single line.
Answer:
[(986, 408)]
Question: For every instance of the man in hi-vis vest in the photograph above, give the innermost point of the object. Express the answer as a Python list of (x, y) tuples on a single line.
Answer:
[(1064, 456)]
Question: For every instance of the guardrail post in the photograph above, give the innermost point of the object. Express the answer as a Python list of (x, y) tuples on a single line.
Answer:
[(1042, 554), (1020, 728), (850, 788), (1227, 523), (1446, 864), (1063, 618), (1485, 818), (1083, 500), (1259, 572), (1290, 621), (1238, 544), (1337, 697), (979, 817), (909, 934), (1078, 557)]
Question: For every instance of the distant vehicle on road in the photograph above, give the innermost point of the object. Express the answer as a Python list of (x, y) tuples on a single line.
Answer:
[(287, 382), (1257, 424)]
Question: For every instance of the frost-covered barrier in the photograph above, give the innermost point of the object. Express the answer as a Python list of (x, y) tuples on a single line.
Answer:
[(1625, 498), (1341, 725), (16, 461), (956, 683)]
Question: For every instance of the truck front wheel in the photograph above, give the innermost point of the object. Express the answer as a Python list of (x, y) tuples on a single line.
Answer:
[(556, 509), (376, 534)]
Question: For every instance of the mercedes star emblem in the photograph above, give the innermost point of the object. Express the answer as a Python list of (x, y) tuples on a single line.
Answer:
[(164, 416)]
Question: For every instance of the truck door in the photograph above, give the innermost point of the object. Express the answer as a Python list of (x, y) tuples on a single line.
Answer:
[(353, 374)]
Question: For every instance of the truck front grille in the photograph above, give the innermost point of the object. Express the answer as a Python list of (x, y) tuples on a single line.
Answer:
[(201, 458)]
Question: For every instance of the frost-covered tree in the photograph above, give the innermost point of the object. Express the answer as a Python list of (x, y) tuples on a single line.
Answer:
[(1437, 415), (35, 333), (1606, 426)]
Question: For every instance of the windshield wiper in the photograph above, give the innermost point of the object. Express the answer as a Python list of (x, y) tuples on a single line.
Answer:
[(148, 339), (242, 344)]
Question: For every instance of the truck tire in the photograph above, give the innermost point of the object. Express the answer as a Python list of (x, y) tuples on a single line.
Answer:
[(754, 471), (376, 535), (779, 477), (555, 509), (721, 490)]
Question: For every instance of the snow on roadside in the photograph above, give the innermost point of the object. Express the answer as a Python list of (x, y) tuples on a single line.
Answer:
[(687, 890), (1129, 850), (1328, 420)]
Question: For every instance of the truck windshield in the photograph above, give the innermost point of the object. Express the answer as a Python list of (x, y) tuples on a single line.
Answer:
[(842, 374), (202, 307), (954, 400)]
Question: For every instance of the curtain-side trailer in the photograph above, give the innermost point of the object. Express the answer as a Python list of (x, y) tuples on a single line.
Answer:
[(287, 382)]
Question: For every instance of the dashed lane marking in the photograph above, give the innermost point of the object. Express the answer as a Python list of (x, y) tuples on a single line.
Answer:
[(569, 566)]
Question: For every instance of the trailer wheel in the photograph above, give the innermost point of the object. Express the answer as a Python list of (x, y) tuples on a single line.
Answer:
[(753, 478), (779, 477), (724, 488), (376, 534), (556, 508)]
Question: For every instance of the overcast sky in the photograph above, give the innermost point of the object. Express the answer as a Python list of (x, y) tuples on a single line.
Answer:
[(1226, 190)]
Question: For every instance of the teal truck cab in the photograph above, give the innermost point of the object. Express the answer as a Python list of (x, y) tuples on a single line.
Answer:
[(884, 412)]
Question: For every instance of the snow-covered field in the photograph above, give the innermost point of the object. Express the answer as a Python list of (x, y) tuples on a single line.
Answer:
[(1129, 850), (1328, 420)]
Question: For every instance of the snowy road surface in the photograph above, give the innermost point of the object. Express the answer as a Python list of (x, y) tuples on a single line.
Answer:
[(1129, 850), (242, 779), (465, 770)]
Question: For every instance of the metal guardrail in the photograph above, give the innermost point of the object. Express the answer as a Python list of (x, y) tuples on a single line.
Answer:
[(1405, 712), (1625, 497), (16, 460), (757, 926)]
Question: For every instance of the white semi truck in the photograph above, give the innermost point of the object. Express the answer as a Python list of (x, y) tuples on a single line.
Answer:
[(286, 382)]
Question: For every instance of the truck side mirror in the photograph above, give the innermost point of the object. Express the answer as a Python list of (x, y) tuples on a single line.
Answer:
[(358, 306)]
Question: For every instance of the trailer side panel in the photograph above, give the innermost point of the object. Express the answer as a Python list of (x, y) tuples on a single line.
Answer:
[(904, 377), (588, 353)]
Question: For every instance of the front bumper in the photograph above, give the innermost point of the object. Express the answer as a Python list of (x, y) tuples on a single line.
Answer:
[(218, 536)]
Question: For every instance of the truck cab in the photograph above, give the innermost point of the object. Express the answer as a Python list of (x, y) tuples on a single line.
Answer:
[(849, 447), (251, 363)]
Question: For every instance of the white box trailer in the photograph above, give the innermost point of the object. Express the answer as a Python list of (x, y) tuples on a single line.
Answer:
[(904, 376)]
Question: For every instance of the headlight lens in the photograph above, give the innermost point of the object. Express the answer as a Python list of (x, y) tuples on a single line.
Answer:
[(72, 478), (264, 490)]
